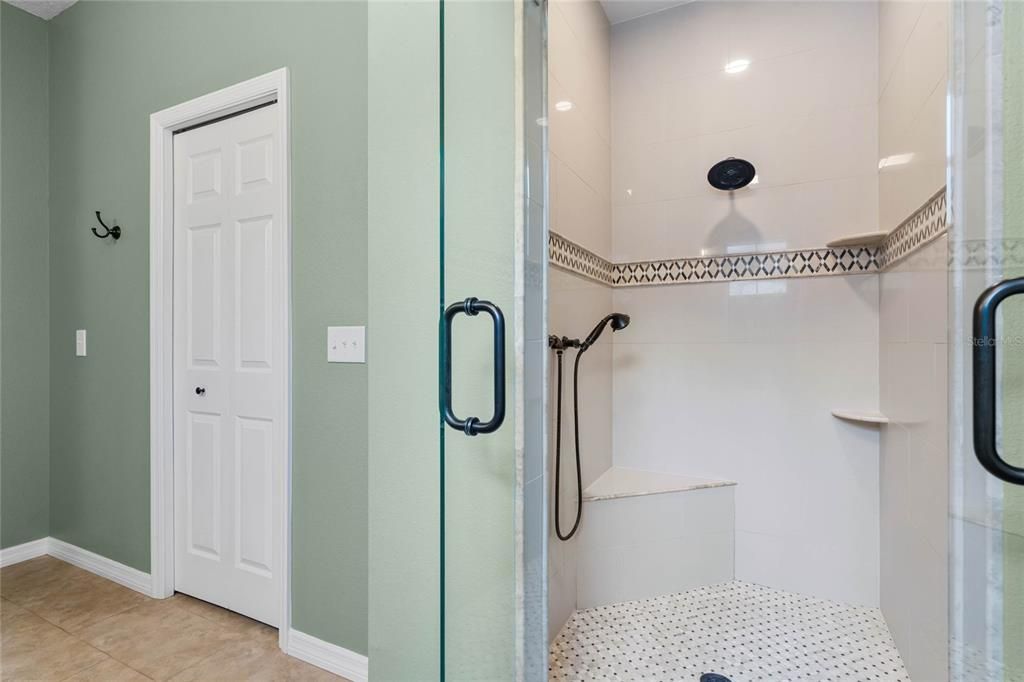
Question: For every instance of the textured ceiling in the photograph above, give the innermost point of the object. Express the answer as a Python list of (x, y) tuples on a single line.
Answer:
[(44, 9), (619, 11)]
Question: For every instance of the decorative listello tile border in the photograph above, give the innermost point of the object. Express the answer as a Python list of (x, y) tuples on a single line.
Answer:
[(924, 226), (772, 265), (575, 258), (983, 254)]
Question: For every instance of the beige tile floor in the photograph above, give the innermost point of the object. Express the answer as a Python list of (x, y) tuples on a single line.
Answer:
[(58, 622)]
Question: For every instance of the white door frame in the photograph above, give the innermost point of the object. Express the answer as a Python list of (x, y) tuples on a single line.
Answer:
[(162, 124)]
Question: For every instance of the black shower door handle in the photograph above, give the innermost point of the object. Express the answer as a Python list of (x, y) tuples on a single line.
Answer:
[(984, 352), (472, 426)]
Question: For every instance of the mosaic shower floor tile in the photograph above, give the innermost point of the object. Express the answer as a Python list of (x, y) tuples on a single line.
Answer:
[(743, 631)]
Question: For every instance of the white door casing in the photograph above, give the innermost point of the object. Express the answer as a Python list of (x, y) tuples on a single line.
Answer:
[(228, 437)]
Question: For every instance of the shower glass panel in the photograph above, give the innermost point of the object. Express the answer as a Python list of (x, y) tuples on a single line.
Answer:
[(986, 368), (452, 341), (479, 475)]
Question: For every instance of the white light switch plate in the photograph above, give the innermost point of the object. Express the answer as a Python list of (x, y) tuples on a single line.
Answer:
[(346, 344), (80, 342)]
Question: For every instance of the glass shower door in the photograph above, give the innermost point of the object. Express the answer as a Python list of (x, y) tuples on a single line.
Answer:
[(491, 355), (478, 449), (987, 343), (456, 342)]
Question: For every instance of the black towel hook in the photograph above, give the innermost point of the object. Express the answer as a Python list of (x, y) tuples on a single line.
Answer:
[(114, 231)]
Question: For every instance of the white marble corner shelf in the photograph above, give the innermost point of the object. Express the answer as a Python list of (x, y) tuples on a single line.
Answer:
[(862, 239), (861, 416)]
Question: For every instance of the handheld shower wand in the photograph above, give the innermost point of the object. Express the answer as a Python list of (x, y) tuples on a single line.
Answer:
[(617, 320), (559, 344)]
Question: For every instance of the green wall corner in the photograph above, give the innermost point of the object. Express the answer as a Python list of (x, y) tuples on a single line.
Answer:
[(24, 278)]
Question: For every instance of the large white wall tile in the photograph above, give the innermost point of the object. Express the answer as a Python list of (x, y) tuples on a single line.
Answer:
[(579, 136), (675, 112), (639, 571), (737, 381), (562, 570), (832, 570), (678, 314), (805, 149), (763, 30), (574, 305), (580, 213), (657, 518), (762, 219), (905, 187), (896, 21), (590, 64), (912, 105), (914, 472), (579, 208)]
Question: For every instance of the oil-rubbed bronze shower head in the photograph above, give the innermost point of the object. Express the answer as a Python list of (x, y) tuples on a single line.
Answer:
[(732, 173)]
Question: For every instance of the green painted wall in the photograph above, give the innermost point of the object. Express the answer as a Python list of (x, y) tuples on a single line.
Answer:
[(404, 432), (24, 282), (113, 64)]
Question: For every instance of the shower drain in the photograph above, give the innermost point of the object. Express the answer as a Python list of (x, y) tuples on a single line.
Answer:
[(714, 677)]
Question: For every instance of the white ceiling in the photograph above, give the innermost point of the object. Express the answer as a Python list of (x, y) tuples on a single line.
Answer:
[(44, 9), (619, 11)]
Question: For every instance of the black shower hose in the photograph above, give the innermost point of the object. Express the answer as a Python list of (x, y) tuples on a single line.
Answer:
[(558, 446)]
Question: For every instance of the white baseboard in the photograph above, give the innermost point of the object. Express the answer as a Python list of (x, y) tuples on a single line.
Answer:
[(131, 578), (23, 552), (328, 656)]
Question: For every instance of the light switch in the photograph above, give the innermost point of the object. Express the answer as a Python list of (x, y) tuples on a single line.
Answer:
[(346, 344), (80, 343)]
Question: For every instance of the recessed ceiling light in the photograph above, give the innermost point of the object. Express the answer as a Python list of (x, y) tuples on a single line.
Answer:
[(564, 105), (737, 65)]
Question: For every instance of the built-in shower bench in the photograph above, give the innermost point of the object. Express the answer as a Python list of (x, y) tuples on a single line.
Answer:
[(648, 533), (619, 482)]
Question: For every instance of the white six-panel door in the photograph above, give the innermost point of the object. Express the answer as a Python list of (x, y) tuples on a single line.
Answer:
[(228, 402)]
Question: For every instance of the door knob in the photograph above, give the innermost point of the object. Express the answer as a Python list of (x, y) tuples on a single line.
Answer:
[(200, 390)]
